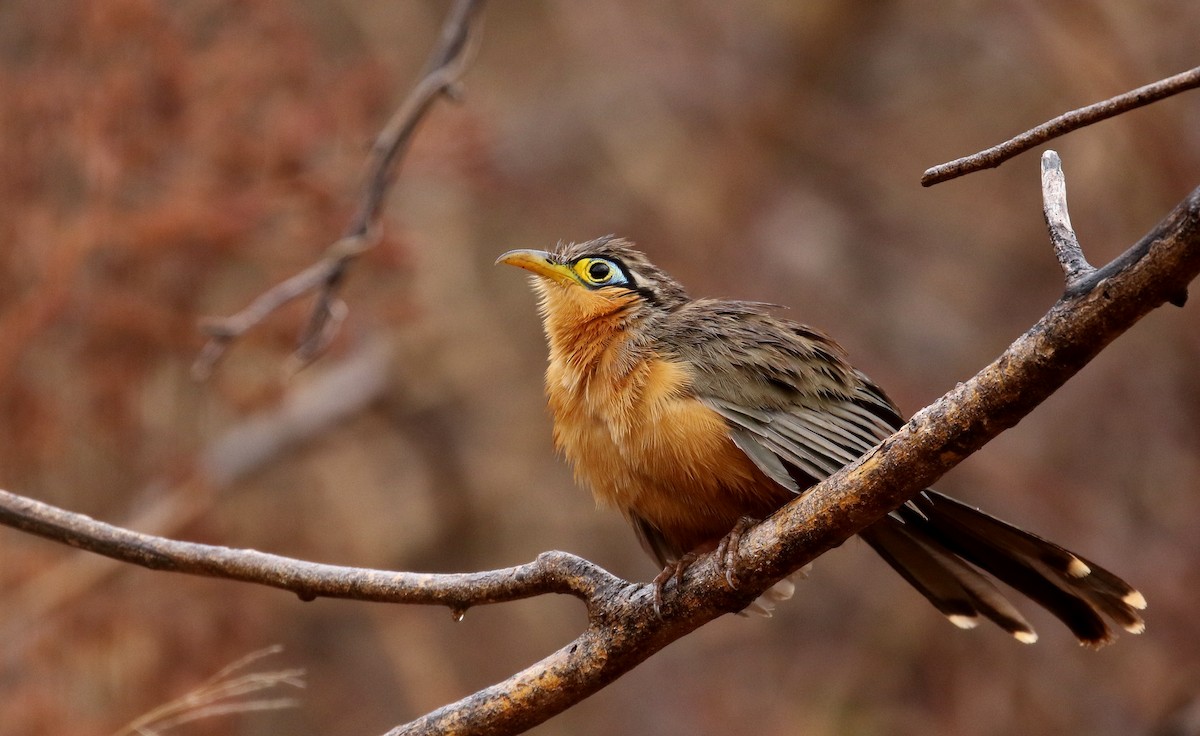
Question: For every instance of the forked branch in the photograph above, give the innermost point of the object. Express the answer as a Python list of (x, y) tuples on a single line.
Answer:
[(1058, 221), (443, 69)]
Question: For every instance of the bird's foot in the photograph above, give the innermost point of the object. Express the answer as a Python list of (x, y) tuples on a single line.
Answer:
[(727, 550), (673, 570)]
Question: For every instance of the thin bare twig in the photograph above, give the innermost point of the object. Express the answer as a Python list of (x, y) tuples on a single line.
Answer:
[(220, 695), (443, 69), (1062, 125), (1058, 221)]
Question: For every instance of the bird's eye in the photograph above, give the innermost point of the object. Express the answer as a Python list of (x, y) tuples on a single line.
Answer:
[(596, 272)]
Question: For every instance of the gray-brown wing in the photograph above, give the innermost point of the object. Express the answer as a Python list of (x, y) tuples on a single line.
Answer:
[(788, 395), (797, 408), (818, 438)]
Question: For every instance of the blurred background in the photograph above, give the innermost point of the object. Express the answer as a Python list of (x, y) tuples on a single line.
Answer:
[(162, 162)]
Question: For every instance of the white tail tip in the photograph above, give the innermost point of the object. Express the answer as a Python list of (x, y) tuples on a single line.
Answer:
[(1135, 600), (781, 591), (1078, 568), (963, 622), (1025, 637)]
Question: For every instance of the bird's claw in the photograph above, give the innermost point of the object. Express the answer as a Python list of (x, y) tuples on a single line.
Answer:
[(727, 550), (673, 570)]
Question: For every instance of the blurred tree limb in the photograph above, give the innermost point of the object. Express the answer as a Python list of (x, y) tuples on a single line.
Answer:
[(443, 69), (1061, 125), (309, 409), (1098, 304)]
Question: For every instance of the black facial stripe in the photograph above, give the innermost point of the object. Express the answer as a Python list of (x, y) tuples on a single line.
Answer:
[(647, 295), (645, 292)]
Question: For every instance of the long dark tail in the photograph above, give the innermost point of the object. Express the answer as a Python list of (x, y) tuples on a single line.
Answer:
[(940, 545)]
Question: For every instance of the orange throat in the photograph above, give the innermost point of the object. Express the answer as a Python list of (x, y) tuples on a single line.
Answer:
[(626, 419)]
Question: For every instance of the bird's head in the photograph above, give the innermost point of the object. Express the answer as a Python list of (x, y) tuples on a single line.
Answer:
[(581, 283)]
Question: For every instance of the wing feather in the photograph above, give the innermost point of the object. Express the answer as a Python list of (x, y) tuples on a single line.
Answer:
[(762, 456)]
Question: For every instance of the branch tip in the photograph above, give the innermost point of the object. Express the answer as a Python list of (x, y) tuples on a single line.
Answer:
[(1058, 221)]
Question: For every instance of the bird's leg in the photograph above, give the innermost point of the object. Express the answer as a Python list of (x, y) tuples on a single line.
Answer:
[(726, 554), (674, 569), (727, 550)]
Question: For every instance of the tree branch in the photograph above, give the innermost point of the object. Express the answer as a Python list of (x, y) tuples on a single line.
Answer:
[(623, 627), (443, 69), (1058, 221), (1061, 125), (551, 572)]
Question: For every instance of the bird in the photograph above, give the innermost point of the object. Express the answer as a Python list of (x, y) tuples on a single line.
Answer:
[(696, 417)]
